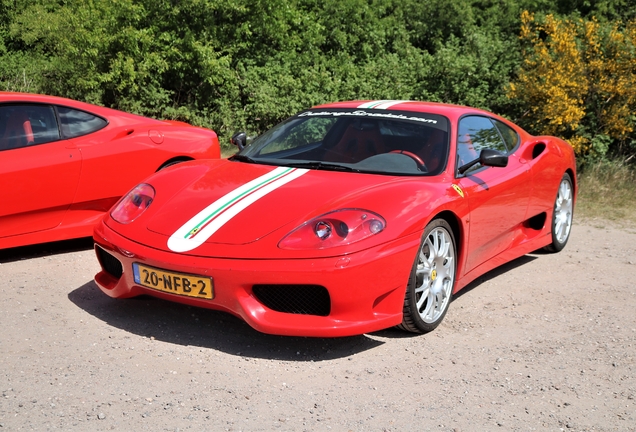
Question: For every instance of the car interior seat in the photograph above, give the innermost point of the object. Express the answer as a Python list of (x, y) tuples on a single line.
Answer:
[(360, 140), (17, 132), (434, 151)]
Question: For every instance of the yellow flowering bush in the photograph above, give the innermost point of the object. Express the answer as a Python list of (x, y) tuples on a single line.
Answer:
[(578, 81)]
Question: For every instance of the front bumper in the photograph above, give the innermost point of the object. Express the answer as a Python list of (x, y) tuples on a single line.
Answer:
[(366, 289)]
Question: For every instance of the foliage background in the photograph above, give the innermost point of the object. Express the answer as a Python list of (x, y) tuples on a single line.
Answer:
[(563, 67)]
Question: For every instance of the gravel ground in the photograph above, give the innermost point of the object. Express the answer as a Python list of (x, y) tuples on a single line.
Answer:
[(547, 342)]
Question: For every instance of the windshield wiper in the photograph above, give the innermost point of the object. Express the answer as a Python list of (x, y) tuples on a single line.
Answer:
[(242, 158), (322, 166)]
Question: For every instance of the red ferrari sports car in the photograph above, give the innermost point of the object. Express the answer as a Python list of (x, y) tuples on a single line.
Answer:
[(346, 218), (64, 163)]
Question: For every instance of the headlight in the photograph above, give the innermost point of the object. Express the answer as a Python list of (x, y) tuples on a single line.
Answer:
[(337, 228), (133, 204)]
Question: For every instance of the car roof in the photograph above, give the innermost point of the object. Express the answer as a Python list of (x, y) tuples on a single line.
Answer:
[(448, 110), (34, 97), (15, 97)]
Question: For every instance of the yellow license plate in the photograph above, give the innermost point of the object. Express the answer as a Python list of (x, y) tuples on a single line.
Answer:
[(172, 282)]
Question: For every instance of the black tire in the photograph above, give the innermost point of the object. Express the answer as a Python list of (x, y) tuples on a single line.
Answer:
[(433, 276), (562, 215)]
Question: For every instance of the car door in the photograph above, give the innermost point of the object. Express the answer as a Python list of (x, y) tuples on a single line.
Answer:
[(497, 196), (39, 171), (114, 159)]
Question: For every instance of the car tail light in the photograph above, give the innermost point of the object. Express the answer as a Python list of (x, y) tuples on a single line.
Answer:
[(133, 204), (337, 228)]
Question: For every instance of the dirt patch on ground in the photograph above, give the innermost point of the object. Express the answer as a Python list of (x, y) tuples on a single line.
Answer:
[(547, 342)]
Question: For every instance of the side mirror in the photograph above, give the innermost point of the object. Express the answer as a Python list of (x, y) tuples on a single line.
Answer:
[(487, 157), (493, 158), (239, 139)]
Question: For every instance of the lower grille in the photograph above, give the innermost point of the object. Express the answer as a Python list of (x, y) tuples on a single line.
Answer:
[(295, 299), (110, 264)]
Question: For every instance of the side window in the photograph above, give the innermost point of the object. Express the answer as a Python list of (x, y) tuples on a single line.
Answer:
[(475, 134), (76, 123), (26, 125), (509, 135)]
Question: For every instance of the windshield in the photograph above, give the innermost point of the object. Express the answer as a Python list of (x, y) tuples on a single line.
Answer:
[(383, 142)]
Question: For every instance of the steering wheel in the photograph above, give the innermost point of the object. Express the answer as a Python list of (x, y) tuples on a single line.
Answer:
[(418, 160)]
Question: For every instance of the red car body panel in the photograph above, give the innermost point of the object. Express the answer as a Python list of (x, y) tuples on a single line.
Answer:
[(497, 215), (59, 190)]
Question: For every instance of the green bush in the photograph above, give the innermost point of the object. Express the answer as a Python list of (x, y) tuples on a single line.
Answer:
[(247, 64)]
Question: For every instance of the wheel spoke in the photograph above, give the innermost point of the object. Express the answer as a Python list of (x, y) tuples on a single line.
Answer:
[(421, 288), (566, 227), (558, 226), (422, 271), (429, 311), (435, 247), (565, 191), (441, 243), (445, 246), (426, 261), (439, 301), (426, 293)]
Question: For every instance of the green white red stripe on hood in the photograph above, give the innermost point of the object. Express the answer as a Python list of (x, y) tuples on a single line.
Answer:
[(201, 227)]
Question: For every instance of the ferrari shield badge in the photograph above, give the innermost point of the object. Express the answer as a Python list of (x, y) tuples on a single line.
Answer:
[(458, 190)]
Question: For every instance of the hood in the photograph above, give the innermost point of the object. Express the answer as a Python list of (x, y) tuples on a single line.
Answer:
[(236, 203)]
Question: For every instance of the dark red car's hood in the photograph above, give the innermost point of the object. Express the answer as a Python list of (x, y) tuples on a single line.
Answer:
[(237, 203)]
